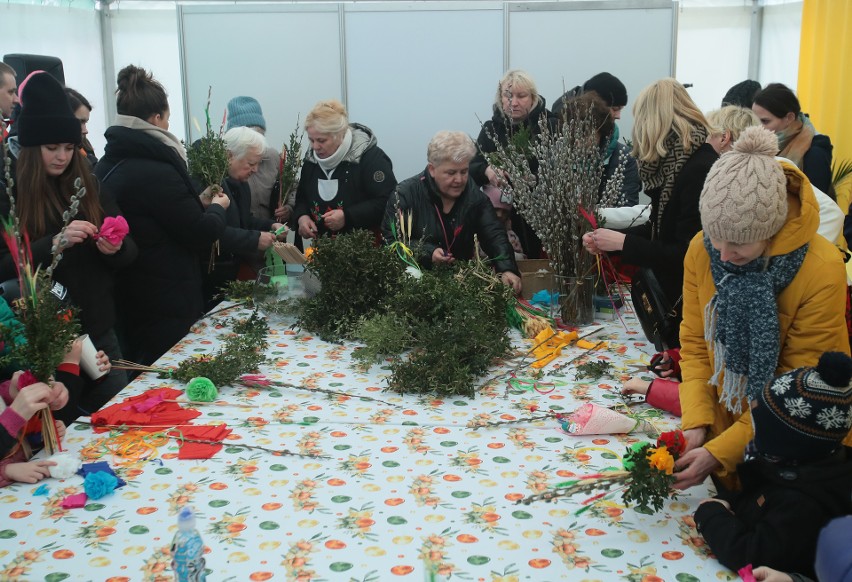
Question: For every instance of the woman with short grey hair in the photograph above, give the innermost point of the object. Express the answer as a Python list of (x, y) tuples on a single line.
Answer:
[(448, 210)]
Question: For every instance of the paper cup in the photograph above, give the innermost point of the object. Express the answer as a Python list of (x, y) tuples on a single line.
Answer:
[(89, 359)]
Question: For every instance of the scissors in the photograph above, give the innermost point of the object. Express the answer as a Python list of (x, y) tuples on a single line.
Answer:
[(651, 367)]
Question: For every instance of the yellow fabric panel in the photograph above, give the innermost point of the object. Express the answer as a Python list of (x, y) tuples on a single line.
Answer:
[(825, 70)]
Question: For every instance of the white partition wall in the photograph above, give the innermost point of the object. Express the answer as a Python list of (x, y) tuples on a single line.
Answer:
[(286, 57), (411, 73), (564, 43)]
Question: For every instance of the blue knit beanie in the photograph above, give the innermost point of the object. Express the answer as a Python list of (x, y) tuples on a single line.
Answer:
[(245, 112)]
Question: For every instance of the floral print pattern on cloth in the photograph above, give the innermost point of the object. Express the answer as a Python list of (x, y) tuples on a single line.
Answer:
[(401, 489)]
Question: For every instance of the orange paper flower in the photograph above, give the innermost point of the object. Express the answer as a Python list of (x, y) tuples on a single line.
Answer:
[(661, 459)]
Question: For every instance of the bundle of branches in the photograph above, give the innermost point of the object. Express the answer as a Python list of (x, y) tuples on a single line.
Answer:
[(357, 278), (291, 163), (442, 330), (207, 159), (560, 202), (242, 352)]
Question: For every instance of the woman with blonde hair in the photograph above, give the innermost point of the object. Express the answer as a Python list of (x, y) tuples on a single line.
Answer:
[(669, 142), (518, 108), (726, 125), (346, 178)]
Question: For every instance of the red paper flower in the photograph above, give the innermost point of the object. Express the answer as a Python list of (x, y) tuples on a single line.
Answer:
[(26, 379), (114, 229), (674, 441)]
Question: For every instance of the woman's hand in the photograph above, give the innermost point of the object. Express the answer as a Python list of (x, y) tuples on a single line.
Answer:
[(695, 438), (107, 247), (607, 240), (496, 178), (334, 219), (72, 356), (282, 213), (221, 199), (765, 574), (31, 472), (693, 467), (104, 365), (636, 386), (60, 429), (511, 280), (31, 399), (58, 397), (75, 233), (439, 256), (307, 227), (265, 240), (589, 243)]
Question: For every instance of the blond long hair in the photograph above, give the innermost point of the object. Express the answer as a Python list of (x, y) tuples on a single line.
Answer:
[(660, 108)]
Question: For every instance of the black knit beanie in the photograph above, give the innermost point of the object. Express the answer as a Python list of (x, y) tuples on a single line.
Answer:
[(805, 414), (609, 88), (46, 116), (742, 94)]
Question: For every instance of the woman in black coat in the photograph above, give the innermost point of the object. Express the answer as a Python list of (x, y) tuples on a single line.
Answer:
[(667, 121), (518, 112), (144, 167), (48, 164), (346, 178), (447, 209)]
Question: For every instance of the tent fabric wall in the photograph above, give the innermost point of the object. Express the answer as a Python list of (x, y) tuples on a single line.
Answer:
[(825, 70)]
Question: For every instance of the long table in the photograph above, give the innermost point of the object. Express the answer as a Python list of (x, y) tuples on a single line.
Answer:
[(397, 488)]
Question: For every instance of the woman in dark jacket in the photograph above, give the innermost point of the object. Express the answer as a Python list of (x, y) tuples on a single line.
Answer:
[(779, 111), (144, 167), (669, 135), (518, 111), (48, 163), (346, 178), (246, 236), (447, 209)]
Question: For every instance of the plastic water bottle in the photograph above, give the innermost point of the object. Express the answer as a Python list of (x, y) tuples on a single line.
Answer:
[(188, 550)]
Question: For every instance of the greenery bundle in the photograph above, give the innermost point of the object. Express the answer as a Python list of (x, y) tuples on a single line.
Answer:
[(242, 352), (207, 158), (441, 329), (291, 163), (356, 279)]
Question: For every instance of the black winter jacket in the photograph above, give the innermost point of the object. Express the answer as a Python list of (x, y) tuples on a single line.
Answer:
[(680, 222), (87, 274), (160, 297), (365, 179), (816, 163), (472, 213), (778, 515)]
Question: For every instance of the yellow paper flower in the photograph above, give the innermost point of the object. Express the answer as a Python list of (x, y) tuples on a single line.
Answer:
[(661, 459)]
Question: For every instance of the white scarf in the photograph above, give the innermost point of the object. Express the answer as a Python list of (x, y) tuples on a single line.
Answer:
[(158, 133), (330, 163)]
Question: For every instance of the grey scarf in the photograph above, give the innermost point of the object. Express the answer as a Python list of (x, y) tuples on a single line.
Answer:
[(741, 322)]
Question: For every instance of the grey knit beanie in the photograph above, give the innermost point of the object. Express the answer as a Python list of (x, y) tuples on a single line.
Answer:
[(245, 112), (744, 199)]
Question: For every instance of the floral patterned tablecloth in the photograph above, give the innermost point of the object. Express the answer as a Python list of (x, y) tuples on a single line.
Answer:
[(406, 487)]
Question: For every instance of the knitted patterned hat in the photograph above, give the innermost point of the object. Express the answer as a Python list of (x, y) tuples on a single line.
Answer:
[(744, 199), (609, 88), (45, 116), (804, 414), (245, 112)]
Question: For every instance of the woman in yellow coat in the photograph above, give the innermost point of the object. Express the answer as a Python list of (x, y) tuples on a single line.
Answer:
[(763, 294)]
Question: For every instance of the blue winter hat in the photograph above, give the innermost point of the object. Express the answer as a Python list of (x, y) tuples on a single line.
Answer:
[(245, 112)]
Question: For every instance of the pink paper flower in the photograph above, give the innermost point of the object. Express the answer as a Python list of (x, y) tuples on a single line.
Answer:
[(746, 574), (26, 379), (114, 229)]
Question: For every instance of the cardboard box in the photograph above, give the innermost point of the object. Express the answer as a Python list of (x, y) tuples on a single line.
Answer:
[(536, 275)]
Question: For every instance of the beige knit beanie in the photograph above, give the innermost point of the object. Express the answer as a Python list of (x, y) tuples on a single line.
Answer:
[(744, 199)]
